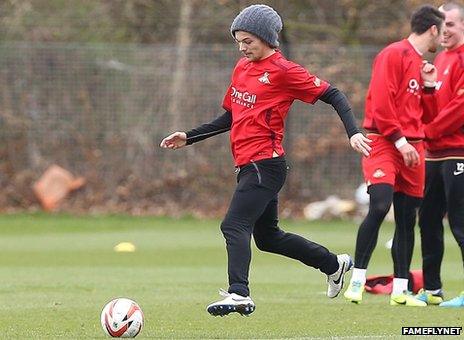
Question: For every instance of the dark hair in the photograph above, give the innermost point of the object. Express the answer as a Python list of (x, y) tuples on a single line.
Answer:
[(425, 17)]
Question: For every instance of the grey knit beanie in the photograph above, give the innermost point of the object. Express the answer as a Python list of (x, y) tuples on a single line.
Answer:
[(260, 20)]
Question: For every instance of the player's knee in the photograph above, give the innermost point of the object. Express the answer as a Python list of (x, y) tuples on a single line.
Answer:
[(379, 209), (226, 226), (235, 228), (263, 243)]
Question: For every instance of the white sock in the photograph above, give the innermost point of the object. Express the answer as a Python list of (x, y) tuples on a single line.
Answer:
[(359, 275), (399, 286), (433, 292)]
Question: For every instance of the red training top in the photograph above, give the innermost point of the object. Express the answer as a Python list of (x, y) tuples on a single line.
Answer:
[(259, 97), (446, 131), (394, 103)]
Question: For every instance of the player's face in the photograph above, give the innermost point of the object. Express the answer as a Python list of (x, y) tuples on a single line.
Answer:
[(251, 46), (453, 34), (436, 38)]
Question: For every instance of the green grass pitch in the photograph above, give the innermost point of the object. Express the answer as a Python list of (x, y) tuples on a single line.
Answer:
[(58, 271)]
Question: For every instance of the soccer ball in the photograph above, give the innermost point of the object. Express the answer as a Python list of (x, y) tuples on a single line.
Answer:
[(122, 318)]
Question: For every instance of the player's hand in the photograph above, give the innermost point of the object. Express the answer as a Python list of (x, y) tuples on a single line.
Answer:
[(359, 143), (174, 141), (429, 72), (410, 155)]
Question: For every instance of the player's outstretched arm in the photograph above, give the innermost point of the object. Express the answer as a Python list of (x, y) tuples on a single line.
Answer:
[(338, 100), (219, 125), (179, 139)]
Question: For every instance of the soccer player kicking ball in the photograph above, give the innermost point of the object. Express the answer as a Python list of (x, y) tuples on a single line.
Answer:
[(444, 173), (401, 88), (263, 87)]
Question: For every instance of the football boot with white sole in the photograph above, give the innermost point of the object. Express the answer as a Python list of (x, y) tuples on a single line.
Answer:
[(231, 303)]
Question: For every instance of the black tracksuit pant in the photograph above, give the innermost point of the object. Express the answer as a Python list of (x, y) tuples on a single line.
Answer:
[(444, 193), (254, 211)]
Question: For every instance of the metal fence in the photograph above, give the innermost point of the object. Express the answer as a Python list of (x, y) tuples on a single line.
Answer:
[(101, 110)]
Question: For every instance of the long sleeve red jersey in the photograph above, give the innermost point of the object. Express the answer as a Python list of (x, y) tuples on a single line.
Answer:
[(259, 97), (394, 105), (445, 133)]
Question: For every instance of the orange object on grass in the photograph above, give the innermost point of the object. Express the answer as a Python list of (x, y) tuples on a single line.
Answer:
[(383, 284), (54, 185)]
